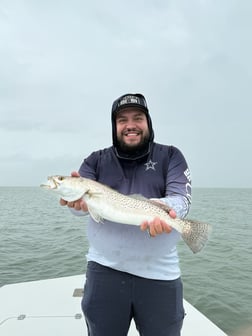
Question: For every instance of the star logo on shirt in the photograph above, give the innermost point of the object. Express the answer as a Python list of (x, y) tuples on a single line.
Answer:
[(150, 165)]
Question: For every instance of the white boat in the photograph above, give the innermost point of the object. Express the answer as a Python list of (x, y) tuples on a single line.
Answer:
[(52, 307)]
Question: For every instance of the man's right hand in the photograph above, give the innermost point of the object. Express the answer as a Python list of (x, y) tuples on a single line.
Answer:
[(77, 205)]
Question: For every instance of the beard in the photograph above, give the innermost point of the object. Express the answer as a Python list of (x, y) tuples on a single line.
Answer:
[(133, 150)]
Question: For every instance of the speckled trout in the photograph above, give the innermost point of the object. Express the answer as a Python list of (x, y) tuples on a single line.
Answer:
[(105, 203)]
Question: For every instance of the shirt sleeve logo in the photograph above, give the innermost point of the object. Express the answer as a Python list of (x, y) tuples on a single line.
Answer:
[(187, 174)]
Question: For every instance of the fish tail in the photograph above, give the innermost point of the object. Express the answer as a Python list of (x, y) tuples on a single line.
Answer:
[(195, 234)]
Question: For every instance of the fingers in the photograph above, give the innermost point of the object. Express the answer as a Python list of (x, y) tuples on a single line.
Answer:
[(63, 202), (172, 213), (77, 205), (155, 227), (75, 174), (83, 206), (144, 226), (69, 204), (167, 228)]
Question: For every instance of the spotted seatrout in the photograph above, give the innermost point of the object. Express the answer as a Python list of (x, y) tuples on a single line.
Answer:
[(106, 203)]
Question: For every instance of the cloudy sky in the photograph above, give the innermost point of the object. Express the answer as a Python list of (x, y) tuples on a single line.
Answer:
[(62, 63)]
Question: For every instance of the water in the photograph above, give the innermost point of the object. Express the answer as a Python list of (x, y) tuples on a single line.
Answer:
[(39, 240)]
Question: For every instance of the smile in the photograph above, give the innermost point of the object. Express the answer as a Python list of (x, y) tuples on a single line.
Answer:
[(131, 133)]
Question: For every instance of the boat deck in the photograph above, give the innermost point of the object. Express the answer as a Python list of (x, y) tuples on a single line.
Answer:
[(52, 307)]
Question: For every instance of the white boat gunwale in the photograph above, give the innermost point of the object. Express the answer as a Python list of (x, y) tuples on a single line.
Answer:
[(53, 306)]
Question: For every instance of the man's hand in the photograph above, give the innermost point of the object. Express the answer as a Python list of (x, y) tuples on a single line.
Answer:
[(77, 205), (157, 226)]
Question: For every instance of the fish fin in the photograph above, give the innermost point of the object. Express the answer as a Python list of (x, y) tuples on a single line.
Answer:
[(94, 194), (96, 217), (195, 234)]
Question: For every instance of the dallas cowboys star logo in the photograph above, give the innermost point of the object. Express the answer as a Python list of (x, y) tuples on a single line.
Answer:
[(150, 165)]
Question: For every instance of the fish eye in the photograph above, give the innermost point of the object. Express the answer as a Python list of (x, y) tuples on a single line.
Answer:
[(61, 178)]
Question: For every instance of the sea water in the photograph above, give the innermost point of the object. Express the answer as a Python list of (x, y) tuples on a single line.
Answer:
[(39, 239)]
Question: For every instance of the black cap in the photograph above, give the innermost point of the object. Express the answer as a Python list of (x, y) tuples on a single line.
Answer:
[(136, 100), (130, 100)]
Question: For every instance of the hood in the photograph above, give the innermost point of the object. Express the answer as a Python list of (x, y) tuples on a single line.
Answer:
[(131, 100)]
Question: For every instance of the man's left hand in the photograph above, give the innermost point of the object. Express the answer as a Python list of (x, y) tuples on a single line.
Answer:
[(157, 226)]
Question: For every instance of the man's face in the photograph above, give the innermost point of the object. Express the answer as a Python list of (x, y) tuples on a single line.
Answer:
[(131, 129)]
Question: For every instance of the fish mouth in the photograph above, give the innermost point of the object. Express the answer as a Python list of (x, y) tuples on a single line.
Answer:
[(50, 184)]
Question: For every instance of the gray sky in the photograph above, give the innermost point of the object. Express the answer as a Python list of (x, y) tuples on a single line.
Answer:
[(62, 63)]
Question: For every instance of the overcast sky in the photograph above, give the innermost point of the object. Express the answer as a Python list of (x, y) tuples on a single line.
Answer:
[(62, 63)]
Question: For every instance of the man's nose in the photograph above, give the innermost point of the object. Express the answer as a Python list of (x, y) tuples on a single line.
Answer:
[(130, 124)]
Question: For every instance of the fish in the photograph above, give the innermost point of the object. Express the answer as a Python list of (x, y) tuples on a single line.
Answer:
[(105, 203)]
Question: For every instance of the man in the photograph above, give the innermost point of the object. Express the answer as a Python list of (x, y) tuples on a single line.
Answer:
[(132, 273)]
